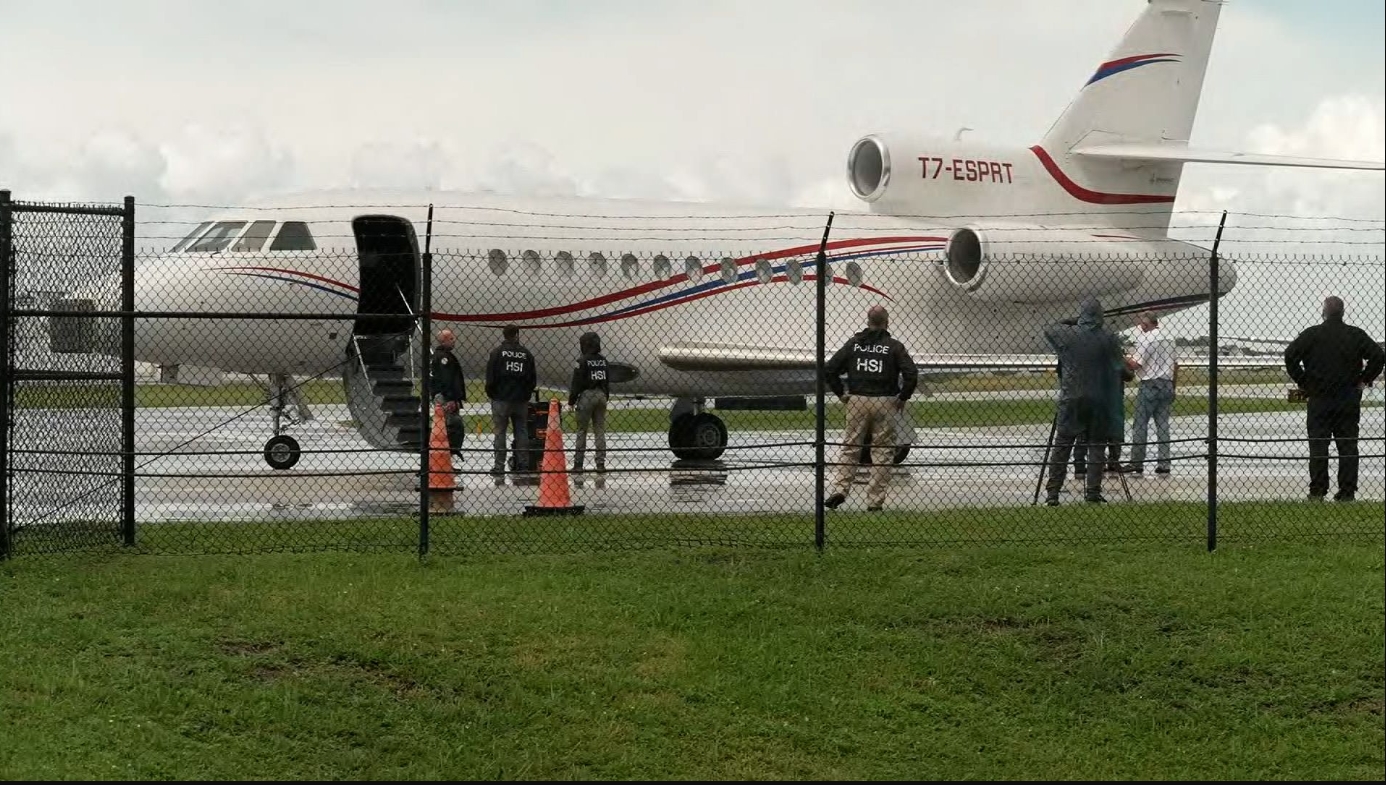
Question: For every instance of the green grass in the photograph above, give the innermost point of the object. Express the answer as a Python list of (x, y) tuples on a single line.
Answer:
[(1091, 661), (926, 413), (1048, 380), (241, 394), (457, 534)]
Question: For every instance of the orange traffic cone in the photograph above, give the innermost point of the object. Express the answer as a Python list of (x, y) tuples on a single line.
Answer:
[(553, 480), (440, 480)]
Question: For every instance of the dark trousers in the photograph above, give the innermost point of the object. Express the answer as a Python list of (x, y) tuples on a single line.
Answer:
[(515, 415), (1080, 455), (1079, 418), (457, 431), (1334, 417)]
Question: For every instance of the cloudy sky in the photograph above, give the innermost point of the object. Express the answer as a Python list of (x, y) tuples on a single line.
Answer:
[(707, 100), (755, 102)]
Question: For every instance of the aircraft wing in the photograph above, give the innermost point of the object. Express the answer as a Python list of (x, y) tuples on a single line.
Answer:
[(1178, 151), (1253, 339), (720, 357)]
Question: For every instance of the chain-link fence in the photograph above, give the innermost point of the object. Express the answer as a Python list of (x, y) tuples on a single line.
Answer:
[(276, 372)]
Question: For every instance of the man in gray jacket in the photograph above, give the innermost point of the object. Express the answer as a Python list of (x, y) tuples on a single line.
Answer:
[(1091, 358)]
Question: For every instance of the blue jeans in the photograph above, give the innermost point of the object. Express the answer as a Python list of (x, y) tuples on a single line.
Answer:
[(1153, 399)]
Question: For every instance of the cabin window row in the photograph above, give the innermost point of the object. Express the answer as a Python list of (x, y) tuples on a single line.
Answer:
[(661, 267)]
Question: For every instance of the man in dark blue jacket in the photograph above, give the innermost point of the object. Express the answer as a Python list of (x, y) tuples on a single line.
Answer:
[(510, 380), (1333, 363), (1091, 358)]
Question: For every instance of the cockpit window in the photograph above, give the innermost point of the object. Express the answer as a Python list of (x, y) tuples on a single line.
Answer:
[(217, 239), (254, 237), (183, 243), (294, 236)]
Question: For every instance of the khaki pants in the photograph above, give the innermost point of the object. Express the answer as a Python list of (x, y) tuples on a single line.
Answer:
[(876, 416), (591, 411)]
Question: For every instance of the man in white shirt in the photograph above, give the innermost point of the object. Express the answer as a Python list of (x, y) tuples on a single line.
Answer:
[(1153, 360)]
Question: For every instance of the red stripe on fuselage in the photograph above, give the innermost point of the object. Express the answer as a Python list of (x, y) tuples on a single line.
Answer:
[(294, 272), (1092, 197), (662, 306), (607, 299)]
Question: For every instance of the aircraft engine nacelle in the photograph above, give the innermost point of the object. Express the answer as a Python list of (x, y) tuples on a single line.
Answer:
[(1035, 264), (881, 168)]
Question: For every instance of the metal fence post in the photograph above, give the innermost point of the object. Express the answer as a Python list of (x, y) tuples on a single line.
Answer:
[(820, 531), (6, 259), (1213, 291), (127, 372), (425, 392)]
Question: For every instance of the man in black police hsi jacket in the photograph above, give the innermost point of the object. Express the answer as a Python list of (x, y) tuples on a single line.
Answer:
[(449, 388), (510, 380), (874, 363), (1333, 363), (587, 395), (1091, 358)]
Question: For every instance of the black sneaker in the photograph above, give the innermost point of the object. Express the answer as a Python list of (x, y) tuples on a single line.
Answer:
[(874, 508), (1316, 497), (834, 501), (1131, 468), (1344, 497), (1052, 501), (1095, 500), (1162, 470)]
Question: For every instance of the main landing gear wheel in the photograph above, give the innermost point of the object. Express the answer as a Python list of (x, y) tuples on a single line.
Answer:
[(698, 437), (282, 452)]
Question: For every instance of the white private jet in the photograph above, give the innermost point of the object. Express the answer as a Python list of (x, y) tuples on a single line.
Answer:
[(693, 300)]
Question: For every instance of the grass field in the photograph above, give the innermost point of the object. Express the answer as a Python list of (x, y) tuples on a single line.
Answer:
[(1087, 661), (928, 413), (331, 391), (457, 534)]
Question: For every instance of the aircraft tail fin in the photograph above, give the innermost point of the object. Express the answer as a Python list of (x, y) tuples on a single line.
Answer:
[(1147, 90)]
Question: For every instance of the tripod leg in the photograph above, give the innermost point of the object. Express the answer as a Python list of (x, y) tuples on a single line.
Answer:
[(1048, 447), (1126, 488)]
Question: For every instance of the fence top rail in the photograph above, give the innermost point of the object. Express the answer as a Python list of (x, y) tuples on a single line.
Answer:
[(117, 211), (267, 315)]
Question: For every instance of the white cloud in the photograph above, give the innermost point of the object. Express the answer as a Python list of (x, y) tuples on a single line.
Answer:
[(756, 104), (224, 164), (1275, 200), (520, 167), (421, 164)]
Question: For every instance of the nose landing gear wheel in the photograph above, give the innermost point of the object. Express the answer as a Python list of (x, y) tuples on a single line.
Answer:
[(281, 452)]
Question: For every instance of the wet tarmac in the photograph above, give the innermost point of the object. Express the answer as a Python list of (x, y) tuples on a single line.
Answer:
[(199, 467)]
